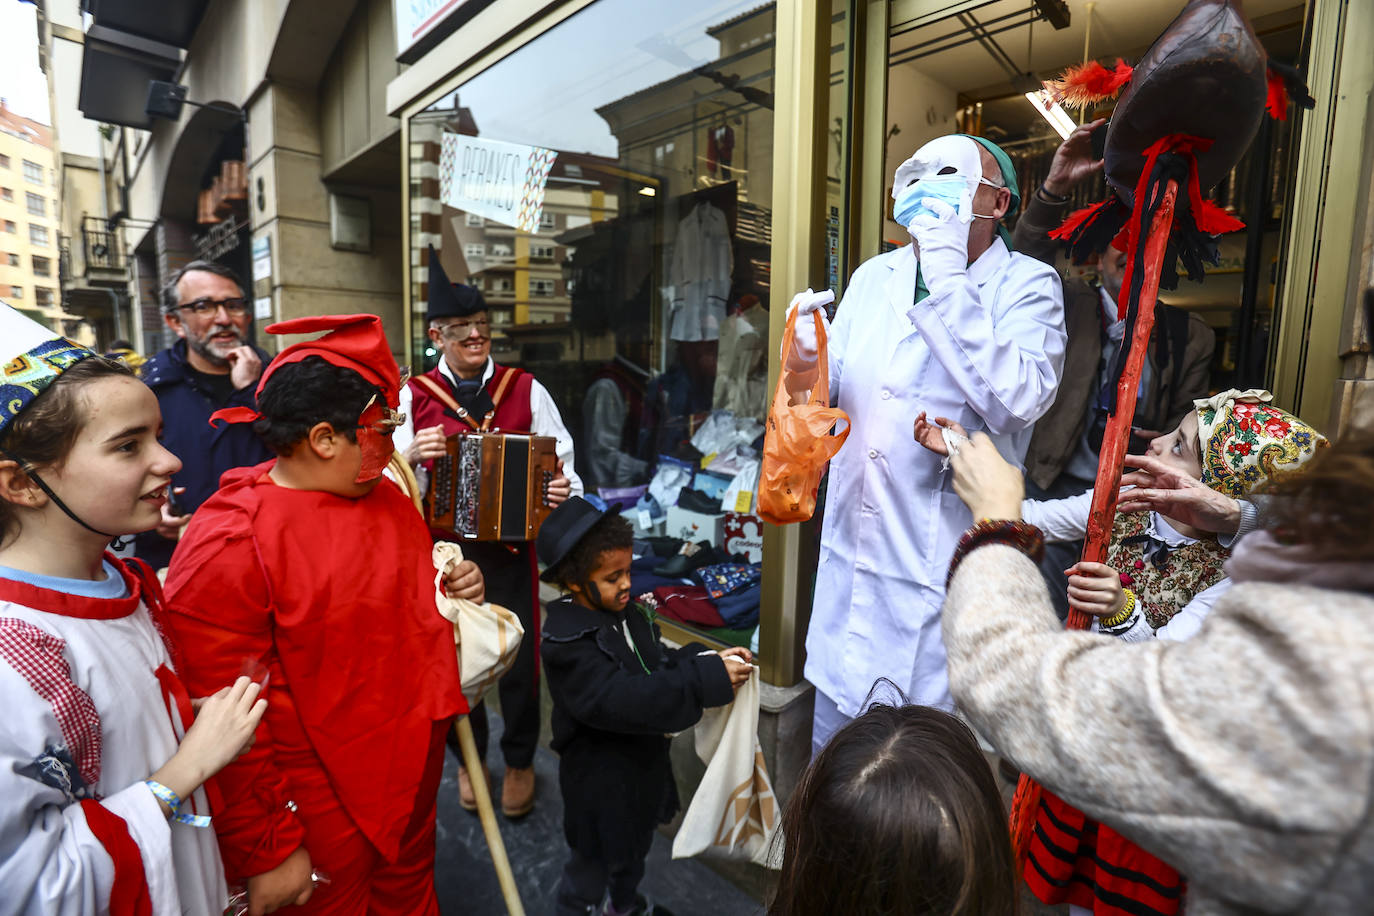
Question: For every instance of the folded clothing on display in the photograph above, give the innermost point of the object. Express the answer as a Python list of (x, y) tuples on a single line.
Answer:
[(722, 579), (690, 604), (687, 604)]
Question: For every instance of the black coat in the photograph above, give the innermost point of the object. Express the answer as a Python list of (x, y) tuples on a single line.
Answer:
[(611, 717)]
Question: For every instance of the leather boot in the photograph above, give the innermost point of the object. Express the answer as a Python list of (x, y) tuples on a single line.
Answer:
[(517, 792), (467, 799)]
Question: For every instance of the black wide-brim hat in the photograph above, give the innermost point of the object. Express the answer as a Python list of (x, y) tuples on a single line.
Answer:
[(450, 300), (565, 526)]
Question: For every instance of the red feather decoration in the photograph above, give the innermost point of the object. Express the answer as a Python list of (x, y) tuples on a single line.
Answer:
[(1090, 82), (1213, 220), (1277, 102)]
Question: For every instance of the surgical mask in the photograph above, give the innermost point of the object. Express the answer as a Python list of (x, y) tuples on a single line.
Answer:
[(953, 190)]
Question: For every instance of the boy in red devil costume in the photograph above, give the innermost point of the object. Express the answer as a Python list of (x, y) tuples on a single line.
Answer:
[(315, 570)]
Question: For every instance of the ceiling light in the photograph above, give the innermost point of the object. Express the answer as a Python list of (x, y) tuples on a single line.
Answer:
[(647, 191), (1049, 109)]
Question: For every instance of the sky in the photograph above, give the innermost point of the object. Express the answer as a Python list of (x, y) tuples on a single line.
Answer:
[(654, 46), (21, 82)]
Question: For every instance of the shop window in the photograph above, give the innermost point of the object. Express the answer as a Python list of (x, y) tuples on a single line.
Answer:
[(33, 172), (42, 267), (652, 181), (35, 204), (38, 235)]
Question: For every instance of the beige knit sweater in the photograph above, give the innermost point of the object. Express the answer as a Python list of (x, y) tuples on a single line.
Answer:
[(1243, 757)]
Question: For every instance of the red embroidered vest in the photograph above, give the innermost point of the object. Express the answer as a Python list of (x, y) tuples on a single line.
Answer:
[(512, 414)]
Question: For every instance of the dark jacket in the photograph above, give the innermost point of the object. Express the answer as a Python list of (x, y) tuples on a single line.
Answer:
[(610, 723), (1175, 380), (206, 452)]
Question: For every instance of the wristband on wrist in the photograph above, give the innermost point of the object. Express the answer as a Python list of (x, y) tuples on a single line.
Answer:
[(173, 802), (1014, 533), (1050, 197), (1123, 616)]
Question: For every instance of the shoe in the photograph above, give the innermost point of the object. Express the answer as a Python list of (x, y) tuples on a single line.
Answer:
[(517, 792), (467, 799), (692, 556)]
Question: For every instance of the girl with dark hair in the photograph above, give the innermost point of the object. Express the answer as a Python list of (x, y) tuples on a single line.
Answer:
[(101, 760), (899, 814)]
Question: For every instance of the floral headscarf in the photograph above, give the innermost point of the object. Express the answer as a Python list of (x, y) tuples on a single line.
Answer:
[(1245, 440)]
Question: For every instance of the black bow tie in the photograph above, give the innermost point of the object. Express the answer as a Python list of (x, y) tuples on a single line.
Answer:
[(1158, 555)]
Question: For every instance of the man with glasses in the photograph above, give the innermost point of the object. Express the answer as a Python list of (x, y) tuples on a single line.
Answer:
[(467, 391), (211, 366)]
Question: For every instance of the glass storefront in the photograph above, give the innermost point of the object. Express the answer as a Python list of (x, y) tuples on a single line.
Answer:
[(969, 73), (638, 188), (608, 187)]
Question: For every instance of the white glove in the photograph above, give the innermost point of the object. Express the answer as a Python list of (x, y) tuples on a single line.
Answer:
[(942, 244), (804, 339)]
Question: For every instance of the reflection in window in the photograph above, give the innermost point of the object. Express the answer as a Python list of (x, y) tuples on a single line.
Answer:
[(610, 185)]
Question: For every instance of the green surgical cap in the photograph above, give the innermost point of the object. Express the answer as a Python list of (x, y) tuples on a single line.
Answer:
[(1008, 176)]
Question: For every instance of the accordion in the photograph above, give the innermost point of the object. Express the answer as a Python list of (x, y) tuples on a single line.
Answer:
[(492, 486)]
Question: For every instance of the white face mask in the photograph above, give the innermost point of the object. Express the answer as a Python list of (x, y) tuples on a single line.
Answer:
[(947, 168)]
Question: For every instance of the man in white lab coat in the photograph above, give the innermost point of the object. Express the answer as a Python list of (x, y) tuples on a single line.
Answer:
[(957, 325)]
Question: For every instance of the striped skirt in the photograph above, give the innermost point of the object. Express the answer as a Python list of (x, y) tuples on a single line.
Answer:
[(1073, 859)]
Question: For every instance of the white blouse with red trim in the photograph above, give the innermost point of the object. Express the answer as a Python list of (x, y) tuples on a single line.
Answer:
[(90, 711)]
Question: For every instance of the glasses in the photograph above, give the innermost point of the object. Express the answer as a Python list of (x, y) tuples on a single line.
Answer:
[(236, 307), (458, 330)]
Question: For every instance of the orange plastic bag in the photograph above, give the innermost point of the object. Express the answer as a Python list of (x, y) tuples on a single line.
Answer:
[(798, 443)]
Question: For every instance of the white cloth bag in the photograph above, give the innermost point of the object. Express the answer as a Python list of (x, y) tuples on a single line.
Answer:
[(734, 813), (486, 635)]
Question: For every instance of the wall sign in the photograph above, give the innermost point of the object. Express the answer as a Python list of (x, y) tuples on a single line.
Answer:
[(497, 180), (420, 24)]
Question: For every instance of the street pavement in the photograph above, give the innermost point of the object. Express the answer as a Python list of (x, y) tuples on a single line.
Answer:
[(466, 882)]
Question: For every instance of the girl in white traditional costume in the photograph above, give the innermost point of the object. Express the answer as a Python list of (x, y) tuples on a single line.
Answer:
[(102, 808)]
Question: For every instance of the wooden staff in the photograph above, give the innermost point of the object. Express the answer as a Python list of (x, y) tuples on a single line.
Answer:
[(1115, 439), (472, 762)]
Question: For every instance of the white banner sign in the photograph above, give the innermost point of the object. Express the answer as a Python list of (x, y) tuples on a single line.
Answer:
[(417, 18), (500, 181)]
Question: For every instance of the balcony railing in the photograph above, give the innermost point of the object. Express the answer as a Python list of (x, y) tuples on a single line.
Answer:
[(104, 250)]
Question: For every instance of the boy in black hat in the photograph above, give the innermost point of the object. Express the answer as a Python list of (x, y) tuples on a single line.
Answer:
[(617, 691)]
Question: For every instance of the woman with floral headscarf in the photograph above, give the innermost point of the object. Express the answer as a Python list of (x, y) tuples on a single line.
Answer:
[(1161, 578)]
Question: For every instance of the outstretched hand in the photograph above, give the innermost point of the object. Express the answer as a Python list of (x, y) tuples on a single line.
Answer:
[(1157, 487), (927, 431), (1073, 161)]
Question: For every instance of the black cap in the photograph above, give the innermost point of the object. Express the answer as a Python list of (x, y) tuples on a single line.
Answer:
[(565, 526), (450, 300)]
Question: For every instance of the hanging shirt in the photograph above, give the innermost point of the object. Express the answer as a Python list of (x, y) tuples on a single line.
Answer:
[(987, 353), (699, 274), (92, 709)]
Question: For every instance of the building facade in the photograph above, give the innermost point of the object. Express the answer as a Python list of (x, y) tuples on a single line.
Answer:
[(29, 220), (271, 152)]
